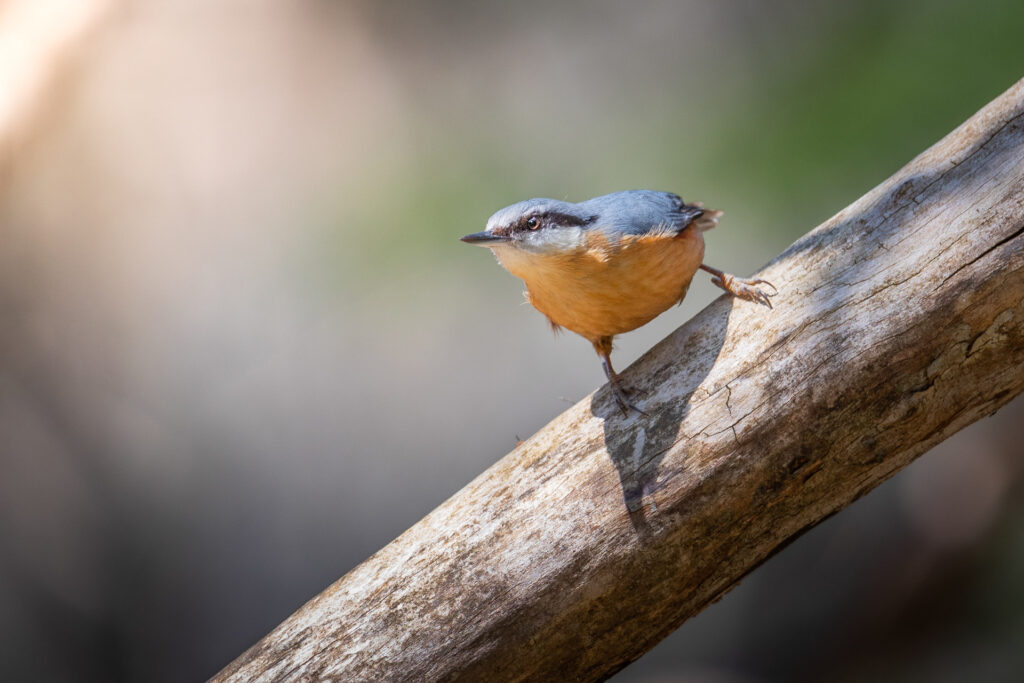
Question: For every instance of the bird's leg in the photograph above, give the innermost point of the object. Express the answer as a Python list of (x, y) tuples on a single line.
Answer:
[(742, 287), (603, 346)]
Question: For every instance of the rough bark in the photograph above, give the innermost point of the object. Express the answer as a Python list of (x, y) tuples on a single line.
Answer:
[(899, 321)]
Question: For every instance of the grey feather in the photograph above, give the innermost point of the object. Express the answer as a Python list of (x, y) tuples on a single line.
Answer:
[(631, 212), (636, 212), (511, 215)]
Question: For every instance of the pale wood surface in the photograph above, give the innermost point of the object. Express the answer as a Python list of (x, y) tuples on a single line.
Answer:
[(898, 322)]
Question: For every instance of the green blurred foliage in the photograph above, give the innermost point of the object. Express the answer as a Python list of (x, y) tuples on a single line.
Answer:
[(861, 100), (807, 123)]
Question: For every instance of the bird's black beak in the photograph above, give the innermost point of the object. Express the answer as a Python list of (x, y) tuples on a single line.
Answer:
[(485, 239)]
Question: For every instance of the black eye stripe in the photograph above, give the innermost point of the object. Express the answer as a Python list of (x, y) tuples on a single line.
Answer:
[(553, 219)]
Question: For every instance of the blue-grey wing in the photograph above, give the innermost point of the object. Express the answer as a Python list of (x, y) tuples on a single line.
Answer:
[(636, 212)]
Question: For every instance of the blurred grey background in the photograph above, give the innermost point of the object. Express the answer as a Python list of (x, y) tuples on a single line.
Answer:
[(241, 347)]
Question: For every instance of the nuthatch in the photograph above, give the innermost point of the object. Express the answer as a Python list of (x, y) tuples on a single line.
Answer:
[(610, 264)]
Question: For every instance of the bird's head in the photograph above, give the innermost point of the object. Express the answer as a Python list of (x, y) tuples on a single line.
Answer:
[(535, 225)]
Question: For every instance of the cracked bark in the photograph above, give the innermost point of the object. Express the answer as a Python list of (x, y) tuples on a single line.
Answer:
[(898, 322)]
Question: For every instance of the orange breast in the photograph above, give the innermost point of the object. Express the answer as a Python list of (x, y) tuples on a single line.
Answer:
[(604, 289)]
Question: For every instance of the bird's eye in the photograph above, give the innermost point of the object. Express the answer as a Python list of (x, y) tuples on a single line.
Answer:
[(532, 223)]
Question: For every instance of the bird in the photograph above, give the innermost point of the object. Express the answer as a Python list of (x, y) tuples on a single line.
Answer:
[(610, 264)]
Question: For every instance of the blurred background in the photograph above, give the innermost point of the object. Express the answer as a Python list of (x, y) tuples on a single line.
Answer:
[(241, 347)]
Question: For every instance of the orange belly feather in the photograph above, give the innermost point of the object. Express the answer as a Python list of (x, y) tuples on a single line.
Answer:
[(603, 289)]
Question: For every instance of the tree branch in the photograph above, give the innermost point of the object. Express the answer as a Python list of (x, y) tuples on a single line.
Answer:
[(899, 321)]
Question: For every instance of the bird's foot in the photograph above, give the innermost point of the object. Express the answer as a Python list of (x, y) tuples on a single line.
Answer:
[(622, 398), (744, 288), (603, 346)]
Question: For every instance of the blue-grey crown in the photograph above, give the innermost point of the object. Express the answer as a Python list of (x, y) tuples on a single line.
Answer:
[(631, 212), (567, 213)]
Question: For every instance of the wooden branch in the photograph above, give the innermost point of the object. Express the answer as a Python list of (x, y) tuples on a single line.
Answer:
[(899, 321)]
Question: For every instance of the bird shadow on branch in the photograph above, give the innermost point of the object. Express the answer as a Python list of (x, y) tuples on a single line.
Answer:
[(638, 443)]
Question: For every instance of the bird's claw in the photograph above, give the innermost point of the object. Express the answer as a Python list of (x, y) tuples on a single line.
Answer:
[(622, 399), (746, 289)]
